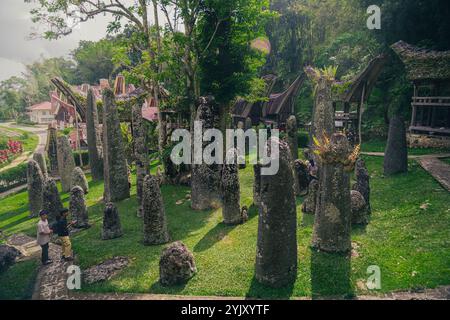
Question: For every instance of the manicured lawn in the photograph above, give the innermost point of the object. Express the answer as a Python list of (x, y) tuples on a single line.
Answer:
[(410, 244), (380, 146), (18, 282)]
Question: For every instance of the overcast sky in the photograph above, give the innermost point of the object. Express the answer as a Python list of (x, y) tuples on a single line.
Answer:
[(16, 50)]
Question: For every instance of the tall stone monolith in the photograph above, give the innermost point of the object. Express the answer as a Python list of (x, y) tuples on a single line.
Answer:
[(52, 150), (362, 184), (155, 221), (52, 201), (66, 163), (40, 159), (323, 111), (396, 154), (332, 224), (302, 173), (35, 182), (79, 179), (205, 181), (231, 194), (276, 252), (114, 160), (78, 208), (257, 184), (112, 227), (309, 204), (140, 153), (94, 138)]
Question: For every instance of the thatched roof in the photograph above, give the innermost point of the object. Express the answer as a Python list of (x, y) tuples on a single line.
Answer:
[(277, 102), (367, 77), (422, 64)]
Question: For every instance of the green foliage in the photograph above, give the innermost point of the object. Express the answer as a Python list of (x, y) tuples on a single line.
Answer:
[(13, 177), (84, 157)]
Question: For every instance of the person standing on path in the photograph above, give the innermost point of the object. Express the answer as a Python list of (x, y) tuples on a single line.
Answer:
[(43, 236), (62, 229)]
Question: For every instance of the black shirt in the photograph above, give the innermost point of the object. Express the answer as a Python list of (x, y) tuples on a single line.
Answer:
[(61, 228)]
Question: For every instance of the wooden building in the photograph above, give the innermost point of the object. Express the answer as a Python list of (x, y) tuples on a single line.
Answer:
[(429, 71), (349, 104)]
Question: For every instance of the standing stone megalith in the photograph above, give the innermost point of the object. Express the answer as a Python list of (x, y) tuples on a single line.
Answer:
[(302, 173), (276, 252), (205, 180), (332, 223), (140, 152), (155, 222), (396, 154), (94, 138), (323, 111), (66, 163), (52, 201), (360, 215), (114, 161), (292, 136), (78, 208), (309, 204), (257, 184), (40, 159), (362, 184), (35, 182), (112, 227), (231, 194), (52, 150), (79, 179)]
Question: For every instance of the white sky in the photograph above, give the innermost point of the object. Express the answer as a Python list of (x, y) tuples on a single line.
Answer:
[(16, 50)]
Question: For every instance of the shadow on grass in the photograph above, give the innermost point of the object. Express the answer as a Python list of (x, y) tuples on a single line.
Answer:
[(216, 234), (14, 213), (307, 220), (157, 288), (330, 275), (14, 223), (260, 291)]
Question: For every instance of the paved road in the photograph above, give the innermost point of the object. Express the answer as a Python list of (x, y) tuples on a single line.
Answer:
[(40, 131)]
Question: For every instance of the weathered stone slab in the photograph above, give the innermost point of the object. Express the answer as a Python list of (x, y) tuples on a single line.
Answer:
[(66, 163), (94, 138), (35, 185), (176, 265)]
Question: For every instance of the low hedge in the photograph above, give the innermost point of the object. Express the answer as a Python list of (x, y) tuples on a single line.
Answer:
[(13, 177), (84, 157)]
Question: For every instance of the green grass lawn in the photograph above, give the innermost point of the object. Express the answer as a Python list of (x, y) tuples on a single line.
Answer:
[(446, 160), (18, 282), (410, 244), (377, 145)]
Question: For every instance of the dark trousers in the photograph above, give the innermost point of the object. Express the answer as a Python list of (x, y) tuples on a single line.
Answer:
[(44, 253)]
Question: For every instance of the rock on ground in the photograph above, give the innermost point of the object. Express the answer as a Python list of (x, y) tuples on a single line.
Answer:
[(360, 214), (40, 159), (112, 227), (176, 265), (105, 270), (79, 179), (8, 257)]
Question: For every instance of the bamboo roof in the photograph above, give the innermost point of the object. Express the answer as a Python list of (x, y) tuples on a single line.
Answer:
[(423, 64)]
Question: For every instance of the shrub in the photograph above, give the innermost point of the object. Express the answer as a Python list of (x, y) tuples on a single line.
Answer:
[(84, 156), (13, 177), (303, 139)]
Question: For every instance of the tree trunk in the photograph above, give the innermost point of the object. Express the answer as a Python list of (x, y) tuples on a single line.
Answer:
[(396, 154)]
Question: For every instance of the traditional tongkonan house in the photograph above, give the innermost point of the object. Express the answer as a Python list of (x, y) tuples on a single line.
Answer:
[(280, 106), (349, 104), (429, 71), (243, 109)]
